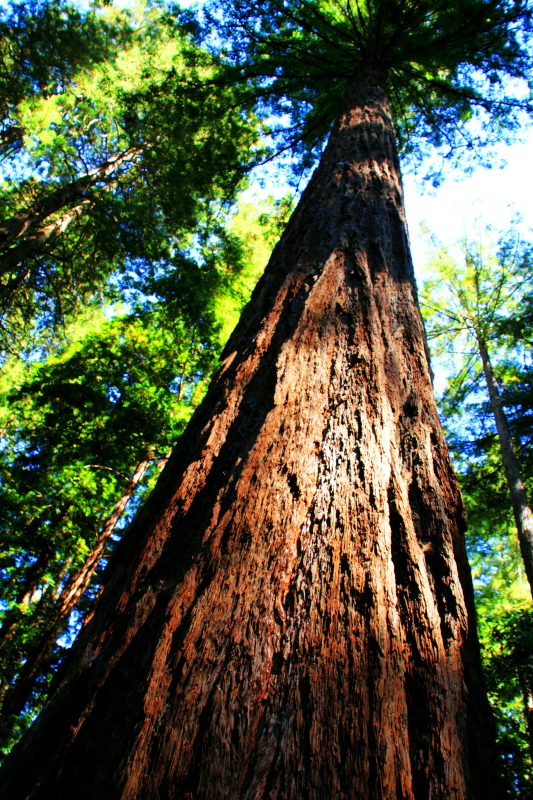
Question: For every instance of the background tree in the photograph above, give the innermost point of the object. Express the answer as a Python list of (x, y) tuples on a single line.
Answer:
[(304, 541), (43, 45), (467, 301), (480, 289), (86, 431), (76, 431), (508, 662)]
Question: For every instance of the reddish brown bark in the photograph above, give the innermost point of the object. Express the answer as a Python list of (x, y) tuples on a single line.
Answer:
[(290, 615)]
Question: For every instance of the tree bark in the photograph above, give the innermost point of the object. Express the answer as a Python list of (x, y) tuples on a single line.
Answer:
[(19, 693), (290, 615), (521, 510)]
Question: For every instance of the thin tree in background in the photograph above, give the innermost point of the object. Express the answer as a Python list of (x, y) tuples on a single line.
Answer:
[(467, 301)]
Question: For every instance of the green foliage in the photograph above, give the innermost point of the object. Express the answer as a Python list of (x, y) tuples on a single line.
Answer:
[(444, 64), (507, 641), (74, 431), (470, 290), (118, 166), (257, 226), (42, 46), (77, 423), (482, 289)]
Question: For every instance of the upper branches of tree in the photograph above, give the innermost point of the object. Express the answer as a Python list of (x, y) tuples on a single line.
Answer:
[(444, 64), (477, 290)]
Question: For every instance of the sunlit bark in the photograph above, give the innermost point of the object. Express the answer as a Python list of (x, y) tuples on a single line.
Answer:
[(290, 615)]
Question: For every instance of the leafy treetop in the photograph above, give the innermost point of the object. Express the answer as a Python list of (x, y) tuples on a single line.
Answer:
[(443, 63)]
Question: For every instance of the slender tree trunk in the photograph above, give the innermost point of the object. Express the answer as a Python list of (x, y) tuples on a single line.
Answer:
[(34, 574), (521, 510), (75, 588), (527, 700), (290, 615), (18, 695), (34, 244), (26, 590), (69, 195)]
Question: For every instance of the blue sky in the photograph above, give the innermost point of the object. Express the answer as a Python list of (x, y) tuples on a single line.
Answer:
[(495, 196)]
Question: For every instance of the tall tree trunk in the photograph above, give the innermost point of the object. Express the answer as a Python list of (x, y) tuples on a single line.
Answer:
[(19, 693), (290, 615), (521, 510)]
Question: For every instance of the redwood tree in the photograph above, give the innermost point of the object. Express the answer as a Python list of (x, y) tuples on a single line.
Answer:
[(290, 615)]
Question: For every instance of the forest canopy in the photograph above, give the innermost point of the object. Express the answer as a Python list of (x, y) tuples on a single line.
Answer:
[(446, 64)]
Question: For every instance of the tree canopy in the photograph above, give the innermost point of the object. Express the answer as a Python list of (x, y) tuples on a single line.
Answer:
[(444, 64)]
